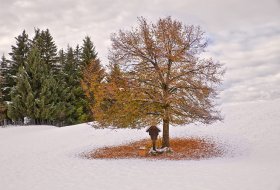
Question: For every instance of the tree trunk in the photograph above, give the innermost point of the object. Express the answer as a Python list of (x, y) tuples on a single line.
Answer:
[(165, 135)]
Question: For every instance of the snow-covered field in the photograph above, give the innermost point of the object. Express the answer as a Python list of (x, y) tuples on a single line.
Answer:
[(47, 158)]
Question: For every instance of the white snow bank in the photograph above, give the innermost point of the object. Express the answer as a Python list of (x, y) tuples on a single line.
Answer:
[(46, 157)]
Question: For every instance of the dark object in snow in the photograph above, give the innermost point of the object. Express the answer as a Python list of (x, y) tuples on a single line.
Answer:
[(153, 132)]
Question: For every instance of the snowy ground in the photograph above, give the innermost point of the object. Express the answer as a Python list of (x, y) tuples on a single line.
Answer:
[(46, 158)]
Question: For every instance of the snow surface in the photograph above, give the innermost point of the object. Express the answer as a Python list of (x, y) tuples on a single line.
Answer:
[(47, 158)]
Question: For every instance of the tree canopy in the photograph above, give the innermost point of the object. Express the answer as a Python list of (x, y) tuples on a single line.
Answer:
[(165, 79)]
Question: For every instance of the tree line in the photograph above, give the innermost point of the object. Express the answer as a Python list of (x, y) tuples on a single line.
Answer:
[(41, 84)]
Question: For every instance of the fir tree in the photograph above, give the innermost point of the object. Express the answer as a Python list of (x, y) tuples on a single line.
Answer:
[(21, 97), (45, 85), (72, 81), (77, 57), (88, 52), (47, 48), (4, 77), (75, 102), (19, 51), (4, 90), (2, 111), (35, 95), (3, 106), (61, 57), (18, 58)]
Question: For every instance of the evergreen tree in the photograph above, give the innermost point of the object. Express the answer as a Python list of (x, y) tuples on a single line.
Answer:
[(47, 48), (88, 52), (21, 97), (75, 62), (4, 76), (2, 105), (18, 58), (75, 101), (72, 82), (45, 85), (70, 64), (19, 51), (3, 88), (3, 109), (77, 57), (61, 57), (35, 95)]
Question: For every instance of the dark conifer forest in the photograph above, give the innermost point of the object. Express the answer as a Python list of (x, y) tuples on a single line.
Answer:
[(40, 84)]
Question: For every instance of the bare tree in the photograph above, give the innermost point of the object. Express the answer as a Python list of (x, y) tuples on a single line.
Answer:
[(163, 69)]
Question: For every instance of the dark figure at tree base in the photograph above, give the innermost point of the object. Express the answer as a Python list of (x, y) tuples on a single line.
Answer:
[(153, 132)]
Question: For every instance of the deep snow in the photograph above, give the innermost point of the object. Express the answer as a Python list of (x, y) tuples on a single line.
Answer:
[(47, 158)]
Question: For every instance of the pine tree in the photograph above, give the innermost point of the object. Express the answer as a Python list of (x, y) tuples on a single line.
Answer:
[(76, 61), (35, 95), (18, 58), (45, 85), (21, 97), (70, 80), (3, 107), (88, 52), (3, 88), (61, 57), (4, 77), (2, 111), (19, 51), (47, 48), (75, 101), (77, 57), (51, 104)]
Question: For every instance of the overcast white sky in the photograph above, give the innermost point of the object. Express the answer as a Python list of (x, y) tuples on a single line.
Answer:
[(244, 34)]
